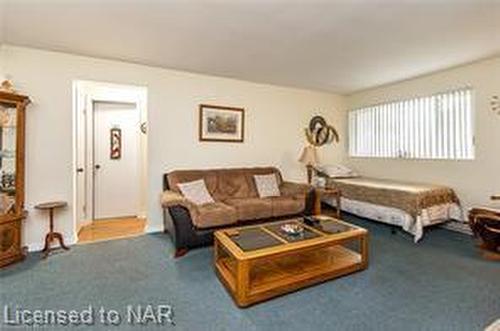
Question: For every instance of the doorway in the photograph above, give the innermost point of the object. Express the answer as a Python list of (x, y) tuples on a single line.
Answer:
[(110, 161), (116, 176)]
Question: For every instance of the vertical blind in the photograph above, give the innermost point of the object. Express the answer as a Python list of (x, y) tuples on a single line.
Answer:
[(439, 126)]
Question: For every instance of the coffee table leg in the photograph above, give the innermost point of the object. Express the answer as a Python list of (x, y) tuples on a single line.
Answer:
[(216, 249), (242, 282)]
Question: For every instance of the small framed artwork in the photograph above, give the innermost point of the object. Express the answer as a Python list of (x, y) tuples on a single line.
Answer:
[(116, 144), (224, 124)]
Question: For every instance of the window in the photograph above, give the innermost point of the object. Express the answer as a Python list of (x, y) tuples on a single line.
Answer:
[(432, 127)]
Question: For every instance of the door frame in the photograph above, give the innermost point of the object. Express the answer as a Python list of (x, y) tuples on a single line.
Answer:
[(85, 95)]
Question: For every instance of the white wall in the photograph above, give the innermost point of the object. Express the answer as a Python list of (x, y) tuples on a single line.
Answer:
[(2, 21), (474, 181), (2, 63), (2, 36), (275, 118)]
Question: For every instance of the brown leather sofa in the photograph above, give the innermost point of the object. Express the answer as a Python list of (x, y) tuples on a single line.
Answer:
[(236, 203)]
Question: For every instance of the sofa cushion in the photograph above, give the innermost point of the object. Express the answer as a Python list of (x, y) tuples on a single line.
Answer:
[(267, 185), (232, 185), (252, 208), (223, 184), (196, 192), (182, 176), (214, 214), (282, 206)]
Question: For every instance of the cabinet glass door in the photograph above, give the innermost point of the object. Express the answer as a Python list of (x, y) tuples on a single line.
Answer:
[(8, 122)]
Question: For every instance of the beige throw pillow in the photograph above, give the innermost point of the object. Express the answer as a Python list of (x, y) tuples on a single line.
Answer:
[(267, 185), (494, 327), (196, 192)]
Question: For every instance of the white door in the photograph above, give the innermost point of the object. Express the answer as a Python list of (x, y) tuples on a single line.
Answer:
[(116, 180)]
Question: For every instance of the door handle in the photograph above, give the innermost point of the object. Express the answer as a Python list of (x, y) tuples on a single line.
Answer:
[(79, 170)]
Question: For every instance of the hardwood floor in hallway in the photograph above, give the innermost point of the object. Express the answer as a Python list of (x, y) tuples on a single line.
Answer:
[(109, 229)]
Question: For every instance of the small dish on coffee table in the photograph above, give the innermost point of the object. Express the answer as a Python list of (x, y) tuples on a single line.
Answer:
[(292, 229)]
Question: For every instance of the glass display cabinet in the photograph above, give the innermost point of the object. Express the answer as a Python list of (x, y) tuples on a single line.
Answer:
[(12, 151)]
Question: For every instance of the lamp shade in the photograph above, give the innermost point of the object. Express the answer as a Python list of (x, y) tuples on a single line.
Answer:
[(309, 156)]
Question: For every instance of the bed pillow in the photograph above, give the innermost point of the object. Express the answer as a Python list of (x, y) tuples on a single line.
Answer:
[(196, 192), (267, 185), (338, 171)]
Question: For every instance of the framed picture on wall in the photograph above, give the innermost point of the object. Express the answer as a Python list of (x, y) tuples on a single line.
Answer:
[(115, 152), (218, 123)]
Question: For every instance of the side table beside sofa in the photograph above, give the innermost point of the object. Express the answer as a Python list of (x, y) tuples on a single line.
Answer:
[(327, 192)]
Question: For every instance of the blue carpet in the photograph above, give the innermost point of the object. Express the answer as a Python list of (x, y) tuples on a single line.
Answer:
[(439, 284)]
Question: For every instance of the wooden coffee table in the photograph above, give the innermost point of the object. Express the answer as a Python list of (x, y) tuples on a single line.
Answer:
[(256, 263)]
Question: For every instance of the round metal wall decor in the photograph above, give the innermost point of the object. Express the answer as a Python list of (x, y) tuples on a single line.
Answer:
[(320, 133), (316, 122)]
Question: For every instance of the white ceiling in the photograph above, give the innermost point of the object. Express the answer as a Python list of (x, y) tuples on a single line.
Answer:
[(340, 46)]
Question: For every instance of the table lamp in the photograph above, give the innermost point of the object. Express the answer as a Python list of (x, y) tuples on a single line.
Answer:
[(309, 158)]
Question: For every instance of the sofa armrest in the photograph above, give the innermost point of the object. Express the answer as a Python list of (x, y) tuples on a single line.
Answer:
[(170, 199), (296, 190)]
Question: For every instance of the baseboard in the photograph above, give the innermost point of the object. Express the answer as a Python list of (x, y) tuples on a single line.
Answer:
[(153, 228), (38, 246), (82, 224), (35, 247)]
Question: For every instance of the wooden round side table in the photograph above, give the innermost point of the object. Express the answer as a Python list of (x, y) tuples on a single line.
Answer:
[(50, 206), (327, 192)]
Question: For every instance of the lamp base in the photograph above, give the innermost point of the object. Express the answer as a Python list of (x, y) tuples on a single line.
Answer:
[(310, 170)]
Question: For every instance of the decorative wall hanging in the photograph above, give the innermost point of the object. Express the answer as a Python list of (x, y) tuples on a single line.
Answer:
[(320, 133), (225, 124), (495, 104), (116, 144)]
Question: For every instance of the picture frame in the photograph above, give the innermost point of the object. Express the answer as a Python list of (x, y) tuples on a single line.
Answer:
[(221, 124), (115, 150)]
